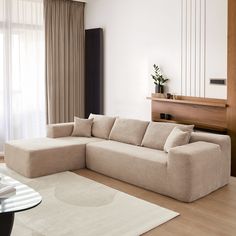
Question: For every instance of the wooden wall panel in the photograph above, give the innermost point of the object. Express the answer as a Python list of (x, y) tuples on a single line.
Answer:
[(185, 113), (205, 113), (231, 111)]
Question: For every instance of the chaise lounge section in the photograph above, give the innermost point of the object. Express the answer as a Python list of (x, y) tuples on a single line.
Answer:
[(132, 151), (43, 156)]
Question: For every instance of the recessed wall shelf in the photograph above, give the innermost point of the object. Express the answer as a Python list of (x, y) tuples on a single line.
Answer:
[(187, 100), (198, 125), (205, 113)]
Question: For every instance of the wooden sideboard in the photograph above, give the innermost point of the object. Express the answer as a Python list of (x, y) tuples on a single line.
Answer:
[(205, 113)]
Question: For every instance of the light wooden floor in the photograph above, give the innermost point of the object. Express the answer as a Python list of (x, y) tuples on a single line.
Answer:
[(212, 215)]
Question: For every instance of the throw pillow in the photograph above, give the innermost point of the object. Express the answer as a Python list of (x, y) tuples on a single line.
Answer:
[(177, 137), (82, 127), (186, 127)]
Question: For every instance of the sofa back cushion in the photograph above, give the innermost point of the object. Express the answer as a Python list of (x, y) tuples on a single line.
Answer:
[(157, 133), (102, 125), (128, 131)]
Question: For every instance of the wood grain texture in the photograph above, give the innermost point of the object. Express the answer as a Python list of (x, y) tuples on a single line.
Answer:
[(213, 215), (1, 157), (208, 114), (231, 93), (193, 101)]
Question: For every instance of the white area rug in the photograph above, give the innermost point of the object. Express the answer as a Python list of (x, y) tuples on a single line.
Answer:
[(76, 206)]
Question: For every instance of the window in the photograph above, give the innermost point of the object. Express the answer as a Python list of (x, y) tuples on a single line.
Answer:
[(22, 92)]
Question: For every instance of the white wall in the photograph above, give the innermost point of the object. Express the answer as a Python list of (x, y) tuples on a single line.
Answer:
[(139, 33), (216, 46)]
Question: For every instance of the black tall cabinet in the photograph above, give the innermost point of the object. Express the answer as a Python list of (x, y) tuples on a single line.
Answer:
[(94, 99)]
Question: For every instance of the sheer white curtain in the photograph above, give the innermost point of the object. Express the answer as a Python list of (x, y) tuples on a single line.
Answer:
[(22, 84)]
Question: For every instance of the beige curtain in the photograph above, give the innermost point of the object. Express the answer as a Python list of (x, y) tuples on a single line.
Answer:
[(64, 38)]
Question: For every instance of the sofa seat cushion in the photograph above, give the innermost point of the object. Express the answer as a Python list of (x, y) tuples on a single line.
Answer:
[(43, 156), (128, 131), (140, 166)]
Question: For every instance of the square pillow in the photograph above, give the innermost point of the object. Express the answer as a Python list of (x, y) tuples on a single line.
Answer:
[(82, 127), (102, 125), (178, 137)]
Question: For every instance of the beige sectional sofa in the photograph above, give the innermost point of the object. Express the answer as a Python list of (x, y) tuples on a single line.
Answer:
[(131, 151)]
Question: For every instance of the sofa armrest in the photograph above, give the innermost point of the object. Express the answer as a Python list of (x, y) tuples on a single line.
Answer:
[(194, 170), (224, 142), (60, 130)]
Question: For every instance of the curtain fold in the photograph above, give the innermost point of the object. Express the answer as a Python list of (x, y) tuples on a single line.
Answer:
[(64, 40), (22, 74)]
